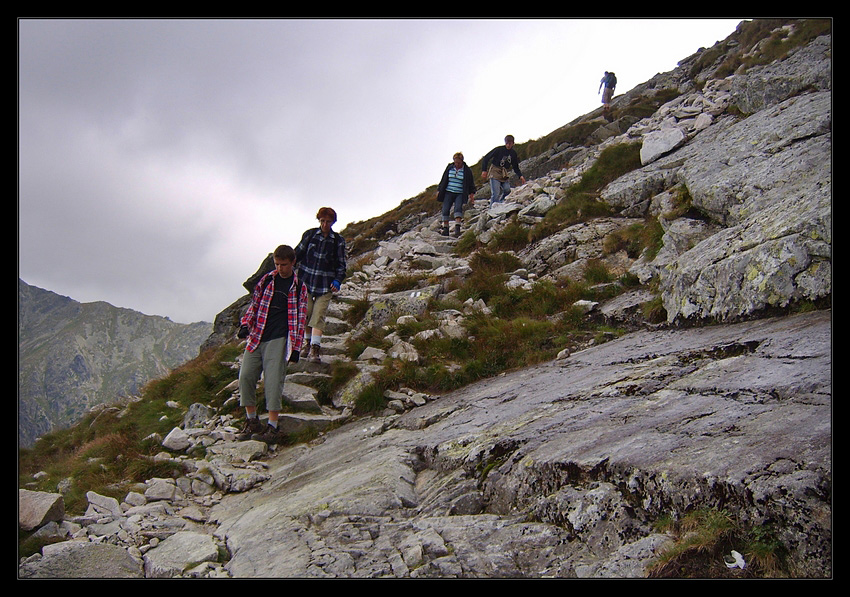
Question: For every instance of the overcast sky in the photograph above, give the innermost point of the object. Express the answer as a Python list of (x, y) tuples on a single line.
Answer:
[(161, 160)]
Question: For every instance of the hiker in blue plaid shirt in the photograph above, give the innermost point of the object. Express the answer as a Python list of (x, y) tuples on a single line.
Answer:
[(320, 258)]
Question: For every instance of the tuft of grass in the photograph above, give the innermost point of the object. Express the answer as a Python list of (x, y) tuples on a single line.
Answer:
[(513, 237), (356, 311), (401, 282), (596, 272), (644, 106), (370, 399), (467, 243), (654, 311), (704, 537), (581, 201), (635, 239), (341, 373), (489, 271)]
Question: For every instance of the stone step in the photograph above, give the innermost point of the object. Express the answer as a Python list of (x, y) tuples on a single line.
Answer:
[(332, 344), (307, 378), (301, 397), (297, 422), (334, 326)]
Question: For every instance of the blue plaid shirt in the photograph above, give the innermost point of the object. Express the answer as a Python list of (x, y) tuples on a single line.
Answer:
[(320, 260)]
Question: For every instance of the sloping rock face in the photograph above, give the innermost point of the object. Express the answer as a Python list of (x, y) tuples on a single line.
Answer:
[(760, 236), (774, 195), (561, 469)]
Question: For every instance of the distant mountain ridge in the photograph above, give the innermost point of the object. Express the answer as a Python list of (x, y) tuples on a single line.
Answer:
[(73, 356)]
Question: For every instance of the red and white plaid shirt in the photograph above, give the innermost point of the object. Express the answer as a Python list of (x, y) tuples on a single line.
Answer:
[(257, 313)]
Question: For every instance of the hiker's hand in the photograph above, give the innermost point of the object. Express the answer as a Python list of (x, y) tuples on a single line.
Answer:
[(243, 332)]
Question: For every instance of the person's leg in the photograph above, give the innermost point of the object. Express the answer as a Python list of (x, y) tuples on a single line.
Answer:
[(274, 373), (458, 209), (505, 189), (447, 205), (249, 375), (313, 330), (310, 301), (316, 323), (495, 190)]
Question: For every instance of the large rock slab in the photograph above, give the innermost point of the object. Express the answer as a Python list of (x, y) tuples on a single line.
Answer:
[(82, 559), (561, 469), (661, 142), (775, 198), (388, 307), (809, 67), (179, 552)]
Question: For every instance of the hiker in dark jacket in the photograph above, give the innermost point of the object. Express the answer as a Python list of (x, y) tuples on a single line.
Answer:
[(320, 258), (456, 185), (497, 166), (610, 82)]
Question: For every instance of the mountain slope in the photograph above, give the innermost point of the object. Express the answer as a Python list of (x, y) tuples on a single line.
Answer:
[(72, 356)]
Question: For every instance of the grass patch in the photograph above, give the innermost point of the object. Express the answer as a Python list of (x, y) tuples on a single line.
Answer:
[(596, 272), (489, 271), (703, 539), (370, 399), (513, 237), (775, 39), (363, 236), (644, 106), (341, 373), (525, 327), (581, 201), (467, 243), (356, 311), (401, 282), (635, 239)]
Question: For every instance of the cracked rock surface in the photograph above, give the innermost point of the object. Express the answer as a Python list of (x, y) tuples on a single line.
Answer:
[(560, 469)]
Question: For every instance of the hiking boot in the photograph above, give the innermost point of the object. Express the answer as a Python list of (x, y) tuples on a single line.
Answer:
[(250, 427), (457, 231), (271, 435), (444, 230), (315, 353)]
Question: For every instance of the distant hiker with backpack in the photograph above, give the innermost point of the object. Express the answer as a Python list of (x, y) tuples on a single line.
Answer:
[(274, 325), (497, 166), (320, 256), (609, 81), (456, 185)]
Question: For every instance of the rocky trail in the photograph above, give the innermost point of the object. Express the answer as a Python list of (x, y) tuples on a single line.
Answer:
[(575, 467)]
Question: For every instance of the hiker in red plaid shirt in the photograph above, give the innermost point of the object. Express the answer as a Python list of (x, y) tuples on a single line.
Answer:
[(274, 325)]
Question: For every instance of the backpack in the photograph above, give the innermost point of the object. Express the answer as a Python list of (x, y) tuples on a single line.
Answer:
[(265, 268)]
